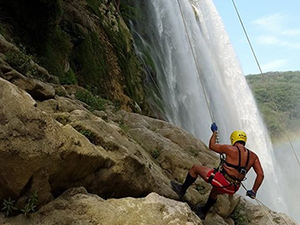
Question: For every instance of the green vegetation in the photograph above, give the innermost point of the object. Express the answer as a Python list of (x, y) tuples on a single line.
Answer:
[(94, 6), (278, 91), (94, 102), (86, 133), (123, 126), (30, 206), (79, 46), (22, 62), (129, 12), (133, 12), (68, 78), (4, 31), (33, 20), (36, 26), (155, 153), (239, 217), (89, 60), (54, 53), (130, 66), (8, 206), (200, 189)]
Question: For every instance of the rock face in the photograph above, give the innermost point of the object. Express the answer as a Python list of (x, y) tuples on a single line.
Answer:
[(57, 144), (76, 206), (260, 214), (77, 43)]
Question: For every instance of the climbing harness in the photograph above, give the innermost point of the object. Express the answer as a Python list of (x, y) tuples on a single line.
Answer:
[(232, 180), (241, 169), (267, 87), (219, 181)]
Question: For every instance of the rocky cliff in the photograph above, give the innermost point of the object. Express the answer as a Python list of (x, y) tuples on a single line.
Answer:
[(98, 166), (79, 44), (69, 156)]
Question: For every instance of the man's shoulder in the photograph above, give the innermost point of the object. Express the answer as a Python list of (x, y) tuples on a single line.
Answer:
[(252, 154), (226, 147)]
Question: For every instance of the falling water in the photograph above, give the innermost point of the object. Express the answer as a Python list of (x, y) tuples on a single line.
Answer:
[(200, 80)]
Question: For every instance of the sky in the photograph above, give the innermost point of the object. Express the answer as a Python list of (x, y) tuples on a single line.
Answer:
[(273, 27)]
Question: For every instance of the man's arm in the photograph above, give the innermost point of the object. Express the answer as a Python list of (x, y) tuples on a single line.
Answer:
[(212, 142), (215, 146), (259, 175)]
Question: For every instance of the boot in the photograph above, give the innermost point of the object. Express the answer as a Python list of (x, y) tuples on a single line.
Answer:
[(202, 211), (180, 189)]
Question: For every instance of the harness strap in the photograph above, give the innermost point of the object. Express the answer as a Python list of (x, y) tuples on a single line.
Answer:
[(232, 182), (212, 176), (239, 168), (230, 178), (248, 157)]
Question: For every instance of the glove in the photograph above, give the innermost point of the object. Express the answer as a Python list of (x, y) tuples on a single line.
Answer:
[(251, 194), (214, 127)]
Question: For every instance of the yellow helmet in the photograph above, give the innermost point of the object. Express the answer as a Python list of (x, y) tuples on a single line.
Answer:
[(238, 135)]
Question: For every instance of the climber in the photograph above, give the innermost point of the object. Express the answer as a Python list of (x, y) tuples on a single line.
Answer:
[(226, 179)]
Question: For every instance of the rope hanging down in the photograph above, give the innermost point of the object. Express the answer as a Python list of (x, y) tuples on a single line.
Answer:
[(261, 205), (267, 87), (198, 70), (273, 101), (196, 63), (206, 98)]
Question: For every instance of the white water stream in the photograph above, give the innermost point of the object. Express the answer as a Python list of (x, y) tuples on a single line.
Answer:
[(184, 81)]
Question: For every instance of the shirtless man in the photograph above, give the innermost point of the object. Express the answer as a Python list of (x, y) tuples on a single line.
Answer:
[(239, 160)]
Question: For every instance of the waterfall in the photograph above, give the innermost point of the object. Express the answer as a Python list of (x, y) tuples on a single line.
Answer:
[(199, 77)]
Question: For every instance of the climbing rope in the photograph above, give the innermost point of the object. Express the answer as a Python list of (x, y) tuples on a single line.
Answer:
[(264, 207), (273, 101), (198, 69), (267, 87), (196, 63), (261, 205)]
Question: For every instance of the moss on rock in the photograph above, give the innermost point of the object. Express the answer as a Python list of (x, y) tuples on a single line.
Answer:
[(76, 42)]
